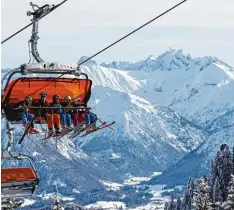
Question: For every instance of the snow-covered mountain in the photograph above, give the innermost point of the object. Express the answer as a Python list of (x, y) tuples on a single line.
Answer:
[(197, 162), (198, 89), (164, 108)]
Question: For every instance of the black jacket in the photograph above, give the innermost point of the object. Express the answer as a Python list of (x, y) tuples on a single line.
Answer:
[(42, 112)]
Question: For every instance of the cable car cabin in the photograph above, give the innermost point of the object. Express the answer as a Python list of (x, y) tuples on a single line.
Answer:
[(17, 182), (18, 89)]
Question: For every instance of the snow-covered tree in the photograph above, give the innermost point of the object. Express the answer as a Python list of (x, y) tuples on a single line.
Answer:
[(229, 203), (233, 160), (56, 205), (171, 203), (217, 194), (201, 195), (178, 204), (188, 196), (224, 169), (166, 206), (11, 203), (213, 175)]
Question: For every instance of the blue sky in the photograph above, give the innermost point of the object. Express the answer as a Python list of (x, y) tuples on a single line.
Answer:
[(200, 28)]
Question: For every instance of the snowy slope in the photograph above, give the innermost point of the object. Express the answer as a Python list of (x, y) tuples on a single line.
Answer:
[(147, 137), (200, 89), (61, 165), (196, 163)]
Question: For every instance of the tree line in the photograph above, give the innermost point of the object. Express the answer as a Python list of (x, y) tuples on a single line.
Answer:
[(215, 192)]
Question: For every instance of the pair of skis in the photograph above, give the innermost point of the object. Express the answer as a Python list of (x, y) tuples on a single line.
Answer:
[(98, 128), (57, 135), (90, 129)]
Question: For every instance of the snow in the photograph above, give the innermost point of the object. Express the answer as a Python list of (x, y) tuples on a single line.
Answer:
[(179, 187), (111, 185), (35, 154), (67, 199), (170, 135), (76, 191), (135, 180), (115, 156), (156, 174), (157, 188), (28, 202), (130, 181), (59, 182), (110, 205), (52, 196)]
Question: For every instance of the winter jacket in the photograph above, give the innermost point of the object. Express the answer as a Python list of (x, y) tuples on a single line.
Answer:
[(42, 112), (56, 110)]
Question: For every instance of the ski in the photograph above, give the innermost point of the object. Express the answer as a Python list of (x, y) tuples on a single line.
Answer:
[(53, 135), (97, 129), (76, 133), (40, 132), (64, 133)]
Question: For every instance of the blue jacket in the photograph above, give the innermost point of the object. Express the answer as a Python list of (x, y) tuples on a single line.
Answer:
[(56, 111)]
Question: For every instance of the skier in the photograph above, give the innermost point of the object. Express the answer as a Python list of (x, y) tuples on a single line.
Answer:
[(43, 103), (90, 118), (66, 114), (54, 117), (26, 117), (43, 112), (78, 116)]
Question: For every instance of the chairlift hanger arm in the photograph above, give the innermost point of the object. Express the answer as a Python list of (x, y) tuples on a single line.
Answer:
[(52, 9)]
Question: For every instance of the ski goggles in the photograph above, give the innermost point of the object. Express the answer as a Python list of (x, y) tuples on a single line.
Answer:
[(43, 94), (57, 97), (28, 100)]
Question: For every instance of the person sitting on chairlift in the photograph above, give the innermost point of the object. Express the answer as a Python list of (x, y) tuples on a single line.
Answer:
[(27, 117), (90, 119), (66, 114), (78, 116), (43, 112), (54, 117)]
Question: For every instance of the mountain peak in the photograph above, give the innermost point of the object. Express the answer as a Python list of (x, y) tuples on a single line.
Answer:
[(90, 62), (170, 60), (151, 58)]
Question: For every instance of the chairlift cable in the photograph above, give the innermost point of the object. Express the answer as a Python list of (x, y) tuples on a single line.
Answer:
[(52, 9), (142, 26)]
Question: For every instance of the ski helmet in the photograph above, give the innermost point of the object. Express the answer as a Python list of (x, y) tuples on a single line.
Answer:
[(77, 100), (67, 98), (56, 97), (43, 94), (28, 98)]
